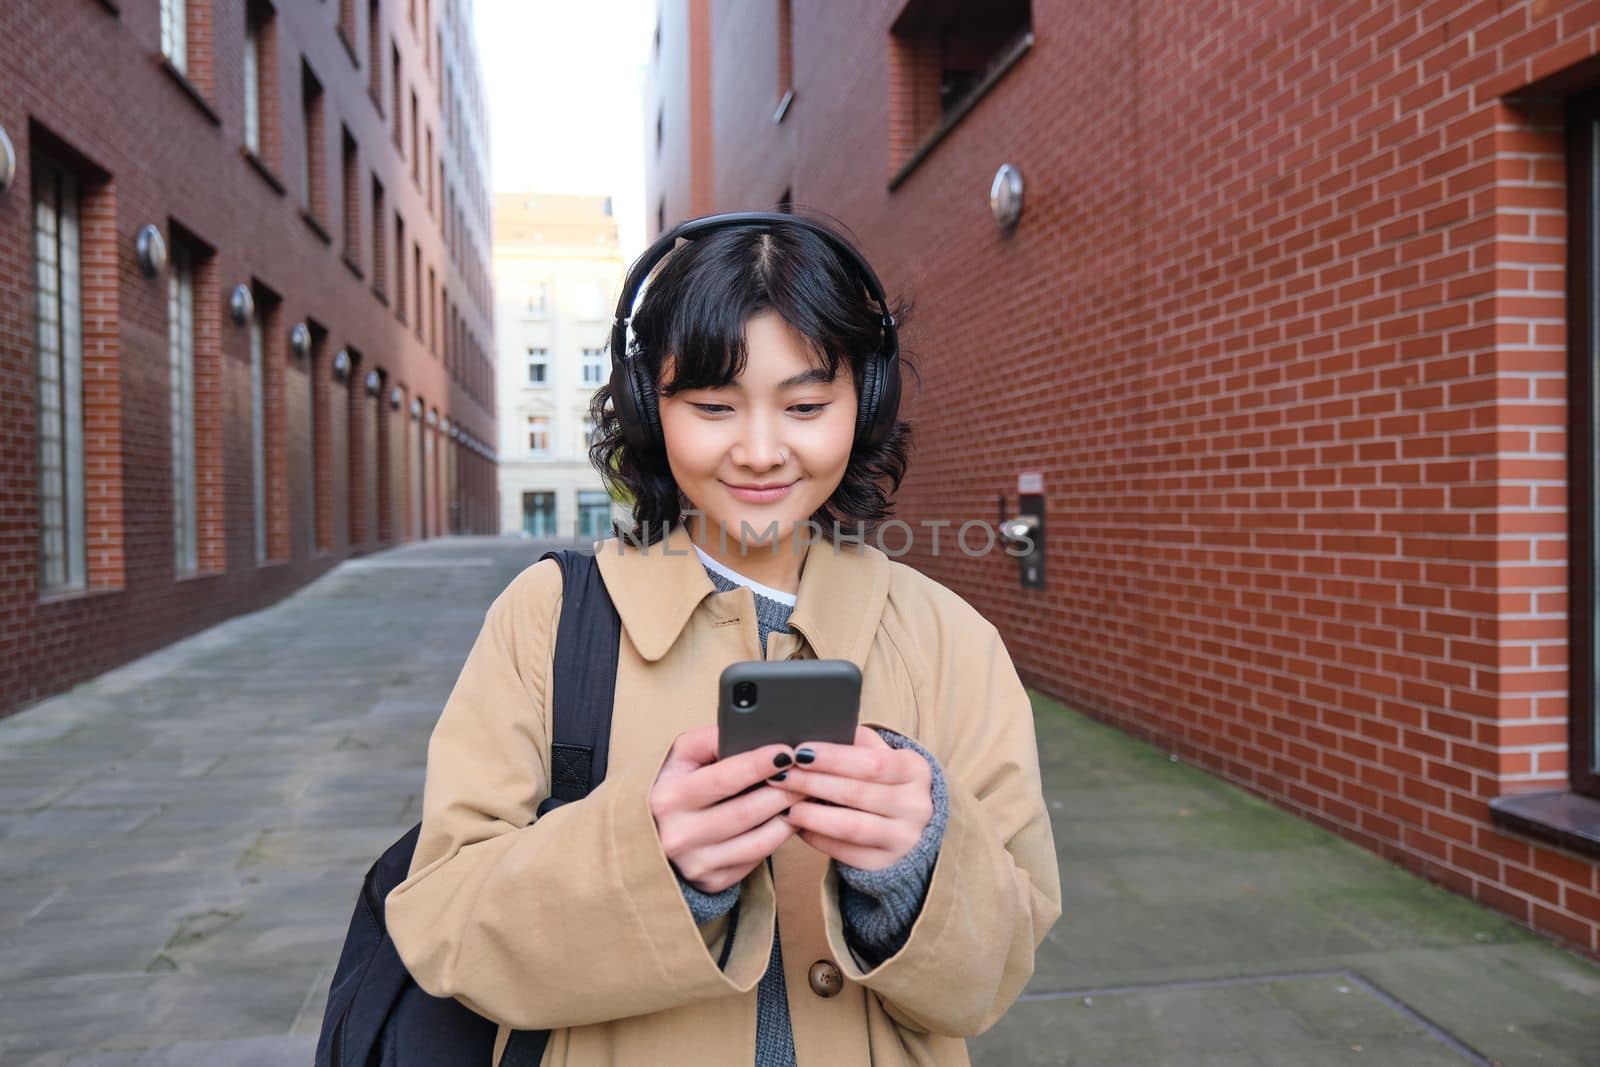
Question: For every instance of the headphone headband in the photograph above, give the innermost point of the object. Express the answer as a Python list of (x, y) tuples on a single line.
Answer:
[(634, 394)]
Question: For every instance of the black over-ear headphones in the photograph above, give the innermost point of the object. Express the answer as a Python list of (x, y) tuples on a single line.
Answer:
[(634, 394)]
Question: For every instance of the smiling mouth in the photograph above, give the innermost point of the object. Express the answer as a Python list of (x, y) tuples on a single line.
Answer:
[(760, 494)]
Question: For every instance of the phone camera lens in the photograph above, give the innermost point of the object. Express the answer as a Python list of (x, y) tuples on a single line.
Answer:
[(744, 695)]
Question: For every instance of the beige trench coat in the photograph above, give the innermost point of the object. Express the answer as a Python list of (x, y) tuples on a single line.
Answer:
[(575, 922)]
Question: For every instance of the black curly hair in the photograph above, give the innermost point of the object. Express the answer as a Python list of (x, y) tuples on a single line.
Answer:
[(695, 306)]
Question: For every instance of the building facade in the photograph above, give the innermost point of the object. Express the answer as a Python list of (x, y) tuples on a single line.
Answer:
[(1291, 347), (245, 308), (558, 270)]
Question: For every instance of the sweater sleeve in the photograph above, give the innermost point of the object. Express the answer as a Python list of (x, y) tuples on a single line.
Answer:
[(879, 907), (707, 906)]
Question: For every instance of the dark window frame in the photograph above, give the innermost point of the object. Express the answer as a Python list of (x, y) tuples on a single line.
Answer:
[(1583, 349)]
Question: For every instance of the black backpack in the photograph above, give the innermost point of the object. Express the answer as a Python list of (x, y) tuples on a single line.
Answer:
[(377, 1016)]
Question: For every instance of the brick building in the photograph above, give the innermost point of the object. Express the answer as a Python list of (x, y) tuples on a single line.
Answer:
[(1295, 330), (245, 309)]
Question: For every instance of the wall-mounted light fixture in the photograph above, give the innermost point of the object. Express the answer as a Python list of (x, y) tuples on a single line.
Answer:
[(151, 248), (341, 365), (300, 340), (444, 424), (374, 383), (433, 417), (8, 161), (1005, 196), (395, 397), (455, 433), (241, 304), (416, 408)]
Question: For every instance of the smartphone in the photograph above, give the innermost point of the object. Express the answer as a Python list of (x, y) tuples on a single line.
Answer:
[(787, 701)]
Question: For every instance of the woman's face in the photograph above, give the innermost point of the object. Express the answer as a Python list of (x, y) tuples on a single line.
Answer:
[(779, 424)]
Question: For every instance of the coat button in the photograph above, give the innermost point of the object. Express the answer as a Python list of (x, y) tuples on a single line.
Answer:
[(825, 978)]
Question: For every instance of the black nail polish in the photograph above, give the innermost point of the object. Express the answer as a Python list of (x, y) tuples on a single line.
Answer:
[(804, 755), (781, 760), (780, 776)]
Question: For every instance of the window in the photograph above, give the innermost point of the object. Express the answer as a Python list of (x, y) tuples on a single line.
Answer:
[(433, 308), (380, 254), (352, 197), (661, 215), (399, 267), (430, 170), (374, 54), (660, 118), (180, 395), (416, 162), (175, 33), (785, 59), (311, 115), (538, 366), (943, 58), (594, 366), (538, 433), (316, 474), (416, 281), (538, 294), (594, 513), (347, 23), (58, 268), (252, 86), (258, 427), (397, 92), (1583, 382), (786, 202), (261, 82), (539, 514)]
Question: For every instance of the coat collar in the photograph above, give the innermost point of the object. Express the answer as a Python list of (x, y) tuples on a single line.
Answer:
[(657, 588)]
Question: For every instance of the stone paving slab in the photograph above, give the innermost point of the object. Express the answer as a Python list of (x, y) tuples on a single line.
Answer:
[(184, 838)]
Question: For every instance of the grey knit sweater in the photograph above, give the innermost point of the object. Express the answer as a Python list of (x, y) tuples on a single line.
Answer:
[(878, 907)]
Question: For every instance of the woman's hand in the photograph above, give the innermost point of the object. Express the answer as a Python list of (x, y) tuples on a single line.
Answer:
[(713, 836), (879, 799)]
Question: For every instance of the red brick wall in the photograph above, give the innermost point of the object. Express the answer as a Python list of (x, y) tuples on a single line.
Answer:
[(1281, 325), (182, 167)]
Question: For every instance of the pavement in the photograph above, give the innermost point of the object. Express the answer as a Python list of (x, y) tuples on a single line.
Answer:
[(183, 838)]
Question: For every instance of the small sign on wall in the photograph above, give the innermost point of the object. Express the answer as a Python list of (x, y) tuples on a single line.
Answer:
[(1030, 482)]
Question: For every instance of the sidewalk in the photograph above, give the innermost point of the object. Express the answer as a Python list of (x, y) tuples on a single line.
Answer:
[(184, 837), (1202, 927)]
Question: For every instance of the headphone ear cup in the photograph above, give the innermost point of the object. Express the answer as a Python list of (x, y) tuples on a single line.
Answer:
[(867, 404), (645, 404), (888, 398)]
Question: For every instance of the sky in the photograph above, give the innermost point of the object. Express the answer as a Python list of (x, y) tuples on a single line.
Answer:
[(564, 83)]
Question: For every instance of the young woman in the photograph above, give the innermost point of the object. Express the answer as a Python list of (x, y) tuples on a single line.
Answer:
[(873, 903)]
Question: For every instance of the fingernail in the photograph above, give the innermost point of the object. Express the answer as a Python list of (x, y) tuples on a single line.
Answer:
[(781, 760), (780, 776), (804, 755)]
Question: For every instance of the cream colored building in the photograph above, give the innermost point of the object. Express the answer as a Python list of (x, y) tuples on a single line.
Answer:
[(558, 270)]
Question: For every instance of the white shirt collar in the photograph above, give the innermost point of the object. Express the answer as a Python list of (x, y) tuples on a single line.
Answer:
[(734, 576)]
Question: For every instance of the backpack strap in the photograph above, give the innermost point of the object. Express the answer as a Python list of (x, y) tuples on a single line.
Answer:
[(588, 640)]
